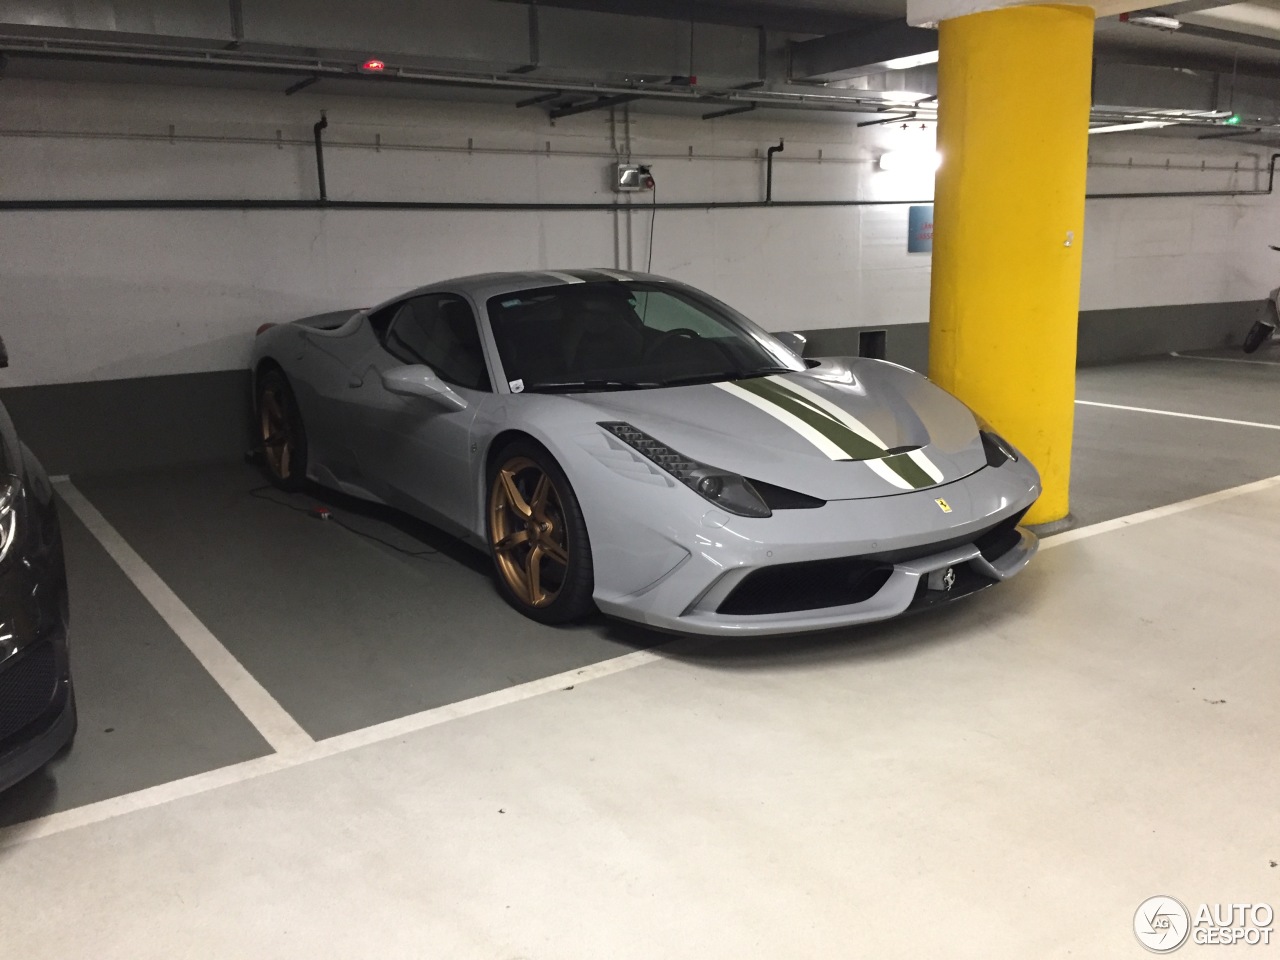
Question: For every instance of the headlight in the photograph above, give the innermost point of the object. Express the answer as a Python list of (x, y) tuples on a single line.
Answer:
[(10, 496), (999, 451), (726, 490)]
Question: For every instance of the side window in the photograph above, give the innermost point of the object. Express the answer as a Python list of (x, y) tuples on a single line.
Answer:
[(380, 320), (440, 330)]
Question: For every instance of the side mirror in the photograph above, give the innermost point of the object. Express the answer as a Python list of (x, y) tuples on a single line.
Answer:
[(418, 380), (795, 342), (4, 354)]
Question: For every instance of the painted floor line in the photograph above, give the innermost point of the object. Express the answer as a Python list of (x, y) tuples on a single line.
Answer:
[(109, 809), (1185, 416), (277, 727), (1260, 363), (1157, 513)]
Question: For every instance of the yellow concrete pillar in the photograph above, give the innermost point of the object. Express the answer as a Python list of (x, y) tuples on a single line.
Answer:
[(1013, 101)]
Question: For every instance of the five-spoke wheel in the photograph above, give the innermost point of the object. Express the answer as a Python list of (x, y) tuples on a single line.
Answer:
[(537, 536)]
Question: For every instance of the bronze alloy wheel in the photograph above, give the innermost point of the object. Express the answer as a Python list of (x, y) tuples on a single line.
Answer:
[(277, 439), (528, 532), (280, 432)]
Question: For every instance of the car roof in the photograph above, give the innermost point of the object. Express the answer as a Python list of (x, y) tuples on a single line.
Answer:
[(482, 286)]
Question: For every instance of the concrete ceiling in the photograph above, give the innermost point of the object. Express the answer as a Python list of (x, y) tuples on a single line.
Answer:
[(608, 51)]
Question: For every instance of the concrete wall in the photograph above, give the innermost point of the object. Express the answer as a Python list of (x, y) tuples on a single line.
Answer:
[(137, 293), (108, 297)]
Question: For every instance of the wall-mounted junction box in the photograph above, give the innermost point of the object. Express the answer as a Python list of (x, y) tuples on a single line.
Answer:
[(632, 178)]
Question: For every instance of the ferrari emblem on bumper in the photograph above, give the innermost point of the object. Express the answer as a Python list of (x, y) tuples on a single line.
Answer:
[(943, 505), (942, 580)]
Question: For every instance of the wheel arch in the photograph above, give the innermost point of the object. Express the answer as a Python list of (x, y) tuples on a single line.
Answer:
[(501, 441), (264, 366)]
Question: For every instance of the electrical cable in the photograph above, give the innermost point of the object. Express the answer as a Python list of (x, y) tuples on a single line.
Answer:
[(653, 216), (259, 493)]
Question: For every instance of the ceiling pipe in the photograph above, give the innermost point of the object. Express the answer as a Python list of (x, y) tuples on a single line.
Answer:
[(265, 63)]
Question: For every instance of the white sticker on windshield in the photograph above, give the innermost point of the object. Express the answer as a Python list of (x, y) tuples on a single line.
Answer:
[(517, 386)]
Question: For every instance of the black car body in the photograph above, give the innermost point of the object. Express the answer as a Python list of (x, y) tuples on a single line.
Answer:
[(37, 704)]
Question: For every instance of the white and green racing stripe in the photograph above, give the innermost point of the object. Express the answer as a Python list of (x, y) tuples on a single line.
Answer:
[(837, 433)]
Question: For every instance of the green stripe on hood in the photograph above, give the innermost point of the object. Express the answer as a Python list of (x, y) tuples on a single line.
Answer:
[(854, 444)]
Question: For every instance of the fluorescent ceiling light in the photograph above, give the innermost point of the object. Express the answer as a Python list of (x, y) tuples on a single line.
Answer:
[(899, 96), (1160, 23), (915, 60), (1131, 127), (911, 161)]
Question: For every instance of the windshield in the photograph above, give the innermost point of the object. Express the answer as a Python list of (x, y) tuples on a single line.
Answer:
[(625, 336)]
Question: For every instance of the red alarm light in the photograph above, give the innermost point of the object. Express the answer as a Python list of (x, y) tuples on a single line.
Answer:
[(373, 66)]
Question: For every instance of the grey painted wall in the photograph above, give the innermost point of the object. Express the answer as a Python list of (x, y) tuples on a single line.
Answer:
[(1105, 336), (105, 426)]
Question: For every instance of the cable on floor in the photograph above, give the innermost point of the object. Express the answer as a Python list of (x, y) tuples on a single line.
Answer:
[(324, 513)]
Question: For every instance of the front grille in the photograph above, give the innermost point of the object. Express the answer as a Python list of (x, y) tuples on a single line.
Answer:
[(1001, 538), (993, 536), (27, 686), (812, 585)]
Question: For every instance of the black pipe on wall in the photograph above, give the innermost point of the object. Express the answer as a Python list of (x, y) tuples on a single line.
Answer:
[(325, 204), (318, 129), (768, 169)]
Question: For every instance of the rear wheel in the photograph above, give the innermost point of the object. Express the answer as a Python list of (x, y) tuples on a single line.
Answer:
[(537, 536), (280, 431)]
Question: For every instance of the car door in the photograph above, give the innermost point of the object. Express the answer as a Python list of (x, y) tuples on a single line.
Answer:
[(415, 452)]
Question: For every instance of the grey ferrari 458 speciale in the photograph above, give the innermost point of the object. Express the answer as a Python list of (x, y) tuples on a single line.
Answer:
[(625, 442)]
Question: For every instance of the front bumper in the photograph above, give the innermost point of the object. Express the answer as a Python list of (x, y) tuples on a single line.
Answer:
[(37, 704), (40, 741), (892, 546)]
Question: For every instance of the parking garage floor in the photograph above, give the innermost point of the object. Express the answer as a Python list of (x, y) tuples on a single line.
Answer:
[(305, 739)]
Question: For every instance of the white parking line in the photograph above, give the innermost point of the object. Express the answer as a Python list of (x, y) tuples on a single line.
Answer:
[(1187, 416), (252, 769), (259, 707), (1156, 513), (1260, 363), (109, 809)]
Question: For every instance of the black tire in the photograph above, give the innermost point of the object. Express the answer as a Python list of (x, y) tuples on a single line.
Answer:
[(282, 439), (75, 723), (1258, 334), (563, 528)]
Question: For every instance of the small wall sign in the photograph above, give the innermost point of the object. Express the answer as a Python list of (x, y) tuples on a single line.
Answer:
[(920, 228)]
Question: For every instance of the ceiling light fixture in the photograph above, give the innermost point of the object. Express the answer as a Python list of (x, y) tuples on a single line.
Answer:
[(1131, 127), (915, 60), (1159, 23)]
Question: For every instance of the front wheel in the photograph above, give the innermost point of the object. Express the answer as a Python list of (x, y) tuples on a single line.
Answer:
[(1258, 334), (280, 431), (537, 536)]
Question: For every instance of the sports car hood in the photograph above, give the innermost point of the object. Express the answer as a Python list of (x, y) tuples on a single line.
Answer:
[(846, 429)]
